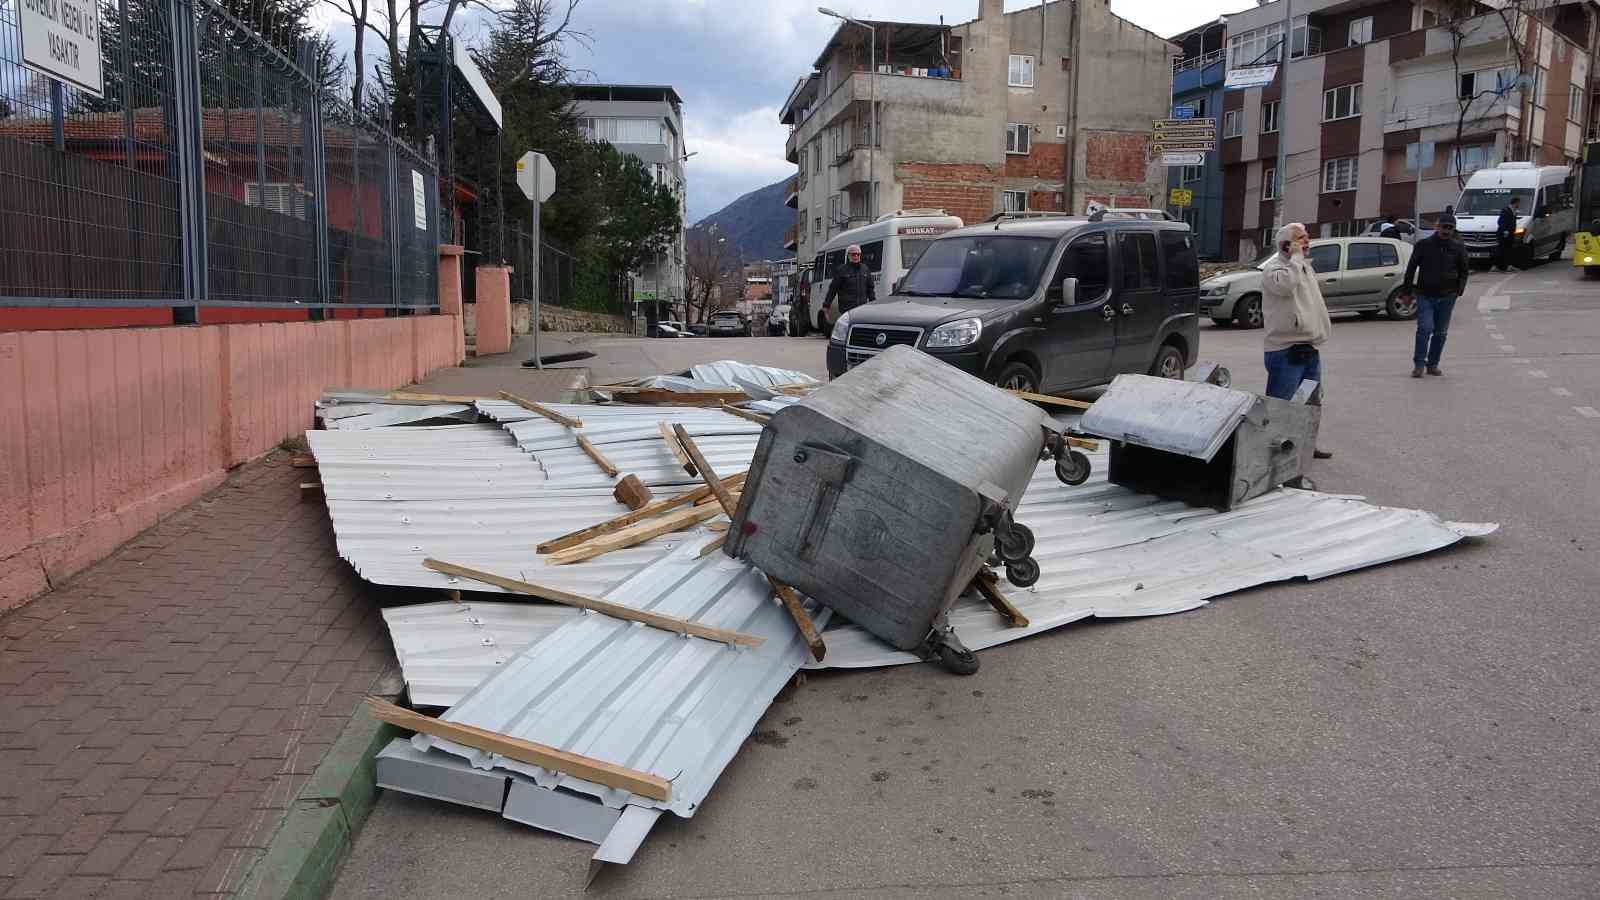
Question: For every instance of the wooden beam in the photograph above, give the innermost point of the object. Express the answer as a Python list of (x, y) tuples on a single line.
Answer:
[(675, 447), (542, 410), (632, 493), (418, 398), (310, 490), (574, 538), (802, 619), (712, 547), (1081, 443), (635, 535), (615, 610), (706, 472), (1054, 401), (598, 457), (990, 589), (755, 417), (303, 461), (586, 767)]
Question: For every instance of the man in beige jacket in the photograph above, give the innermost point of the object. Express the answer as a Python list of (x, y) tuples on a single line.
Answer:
[(1295, 315)]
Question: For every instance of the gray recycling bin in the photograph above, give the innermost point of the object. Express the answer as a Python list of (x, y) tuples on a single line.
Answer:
[(882, 493), (1203, 444)]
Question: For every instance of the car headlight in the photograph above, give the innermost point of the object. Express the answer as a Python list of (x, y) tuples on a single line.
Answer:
[(1216, 290), (841, 329), (959, 333), (1521, 232)]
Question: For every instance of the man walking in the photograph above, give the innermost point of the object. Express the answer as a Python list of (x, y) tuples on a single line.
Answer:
[(852, 283), (1295, 315), (1438, 269), (1505, 232)]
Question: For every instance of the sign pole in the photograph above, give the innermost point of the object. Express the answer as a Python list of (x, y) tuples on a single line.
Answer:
[(538, 257)]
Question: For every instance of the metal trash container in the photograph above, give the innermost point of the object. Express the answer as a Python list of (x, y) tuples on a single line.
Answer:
[(1203, 444), (882, 494)]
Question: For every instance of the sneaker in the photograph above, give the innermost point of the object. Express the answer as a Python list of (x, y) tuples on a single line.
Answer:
[(1417, 372), (1435, 370), (1322, 454)]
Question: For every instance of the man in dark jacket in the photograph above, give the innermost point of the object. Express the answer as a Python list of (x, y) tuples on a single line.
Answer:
[(1505, 232), (852, 283), (1438, 269)]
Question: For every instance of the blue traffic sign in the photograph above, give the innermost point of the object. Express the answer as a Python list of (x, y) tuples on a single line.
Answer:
[(1183, 112)]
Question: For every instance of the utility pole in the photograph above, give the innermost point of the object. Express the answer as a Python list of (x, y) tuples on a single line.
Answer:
[(1280, 173)]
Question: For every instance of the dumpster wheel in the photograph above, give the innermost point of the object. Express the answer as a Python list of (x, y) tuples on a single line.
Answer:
[(1072, 468), (959, 660), (1023, 573), (1014, 543)]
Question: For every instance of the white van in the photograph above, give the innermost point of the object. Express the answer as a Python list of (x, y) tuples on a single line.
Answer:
[(888, 248), (1547, 213)]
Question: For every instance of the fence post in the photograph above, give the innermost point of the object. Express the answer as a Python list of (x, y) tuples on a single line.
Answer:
[(316, 171), (393, 177), (187, 143)]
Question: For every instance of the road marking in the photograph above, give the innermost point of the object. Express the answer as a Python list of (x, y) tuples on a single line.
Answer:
[(1493, 299), (1521, 361), (1588, 412), (1536, 373), (1508, 348), (1561, 392)]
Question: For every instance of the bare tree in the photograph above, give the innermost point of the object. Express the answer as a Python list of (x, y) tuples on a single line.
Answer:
[(709, 259), (1465, 20)]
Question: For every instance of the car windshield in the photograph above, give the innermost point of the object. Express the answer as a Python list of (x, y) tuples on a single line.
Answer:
[(996, 267), (1489, 201), (1261, 260)]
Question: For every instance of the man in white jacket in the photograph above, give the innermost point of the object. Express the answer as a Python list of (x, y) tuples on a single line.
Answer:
[(1295, 315)]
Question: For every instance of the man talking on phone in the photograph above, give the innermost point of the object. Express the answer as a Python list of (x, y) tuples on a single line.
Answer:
[(1295, 315)]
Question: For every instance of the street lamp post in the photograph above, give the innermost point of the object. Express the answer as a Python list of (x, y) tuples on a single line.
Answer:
[(872, 152)]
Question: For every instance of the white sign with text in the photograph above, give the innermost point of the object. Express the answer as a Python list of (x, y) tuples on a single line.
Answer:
[(61, 39)]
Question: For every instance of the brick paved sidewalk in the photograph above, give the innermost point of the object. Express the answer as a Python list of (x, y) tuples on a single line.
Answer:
[(160, 712)]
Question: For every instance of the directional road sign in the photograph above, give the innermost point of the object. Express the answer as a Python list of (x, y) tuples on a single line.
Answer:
[(1192, 158)]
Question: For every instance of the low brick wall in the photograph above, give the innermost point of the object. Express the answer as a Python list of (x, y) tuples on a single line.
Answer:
[(559, 318)]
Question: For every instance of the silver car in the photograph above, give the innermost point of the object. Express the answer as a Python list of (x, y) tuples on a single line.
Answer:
[(1356, 274)]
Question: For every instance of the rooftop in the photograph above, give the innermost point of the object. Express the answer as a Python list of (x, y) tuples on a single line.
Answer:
[(642, 93)]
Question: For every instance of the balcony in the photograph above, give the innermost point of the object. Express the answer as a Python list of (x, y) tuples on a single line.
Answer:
[(1198, 72), (792, 193), (892, 89), (1435, 115), (791, 237)]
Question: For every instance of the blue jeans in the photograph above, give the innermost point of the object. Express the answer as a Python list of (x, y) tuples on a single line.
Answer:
[(1433, 326), (1287, 368)]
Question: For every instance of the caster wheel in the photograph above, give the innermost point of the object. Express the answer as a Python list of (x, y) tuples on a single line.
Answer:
[(1023, 573), (1015, 543), (958, 660), (1073, 468)]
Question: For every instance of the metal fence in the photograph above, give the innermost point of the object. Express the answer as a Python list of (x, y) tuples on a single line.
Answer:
[(214, 171), (557, 271)]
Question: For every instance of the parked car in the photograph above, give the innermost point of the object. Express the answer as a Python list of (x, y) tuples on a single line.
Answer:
[(1041, 304), (699, 329), (729, 323), (1403, 228), (778, 321), (667, 330), (1358, 274)]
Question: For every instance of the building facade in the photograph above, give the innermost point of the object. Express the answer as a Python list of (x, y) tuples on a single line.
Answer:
[(1045, 108), (1197, 82), (644, 121), (1371, 86)]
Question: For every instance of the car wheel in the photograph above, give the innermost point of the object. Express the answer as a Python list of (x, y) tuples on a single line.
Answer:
[(1247, 312), (1017, 376), (1168, 363), (1401, 306)]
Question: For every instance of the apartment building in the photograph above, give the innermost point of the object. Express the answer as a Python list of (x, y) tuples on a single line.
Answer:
[(644, 121), (1045, 108), (1198, 77), (1367, 79)]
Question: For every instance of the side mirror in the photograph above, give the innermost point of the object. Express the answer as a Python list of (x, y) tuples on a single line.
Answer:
[(1064, 292), (897, 282)]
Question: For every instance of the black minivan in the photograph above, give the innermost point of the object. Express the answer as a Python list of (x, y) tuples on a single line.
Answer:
[(1042, 304)]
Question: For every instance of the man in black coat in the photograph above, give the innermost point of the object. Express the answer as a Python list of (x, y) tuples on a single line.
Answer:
[(1505, 233), (1438, 269), (853, 283)]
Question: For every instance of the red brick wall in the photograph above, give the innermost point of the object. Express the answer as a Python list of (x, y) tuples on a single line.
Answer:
[(1048, 201), (1133, 201), (1047, 161), (961, 189), (1116, 156)]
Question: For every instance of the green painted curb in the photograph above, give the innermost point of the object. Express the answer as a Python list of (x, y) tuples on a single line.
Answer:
[(318, 830)]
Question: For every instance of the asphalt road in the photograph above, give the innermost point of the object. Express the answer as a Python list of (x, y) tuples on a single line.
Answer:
[(1423, 729)]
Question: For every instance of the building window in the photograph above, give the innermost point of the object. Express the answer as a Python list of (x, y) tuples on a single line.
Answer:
[(1575, 104), (624, 130), (1014, 201), (1429, 18), (1269, 184), (1019, 138), (816, 227), (1340, 174), (1305, 39), (816, 156), (1341, 102), (1487, 81), (1199, 106), (1360, 31), (1257, 47), (1232, 123), (1269, 117), (835, 209), (282, 198), (1020, 71), (1469, 159), (1538, 86), (805, 153), (1192, 173)]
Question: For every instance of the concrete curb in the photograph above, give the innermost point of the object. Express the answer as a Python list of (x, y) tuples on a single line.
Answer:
[(320, 827)]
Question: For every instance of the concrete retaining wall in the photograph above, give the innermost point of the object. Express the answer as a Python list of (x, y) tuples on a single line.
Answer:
[(104, 432)]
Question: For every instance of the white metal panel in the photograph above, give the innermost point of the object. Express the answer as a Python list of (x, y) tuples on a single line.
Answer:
[(1188, 417), (446, 649)]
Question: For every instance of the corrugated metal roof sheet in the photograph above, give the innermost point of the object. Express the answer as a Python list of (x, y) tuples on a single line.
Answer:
[(447, 649), (534, 433), (732, 373)]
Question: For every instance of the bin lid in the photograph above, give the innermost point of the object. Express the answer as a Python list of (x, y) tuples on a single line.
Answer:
[(1191, 418)]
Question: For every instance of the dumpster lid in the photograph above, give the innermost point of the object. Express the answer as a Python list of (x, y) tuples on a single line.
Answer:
[(1187, 417)]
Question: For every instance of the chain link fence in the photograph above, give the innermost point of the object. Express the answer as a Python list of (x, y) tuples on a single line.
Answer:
[(214, 170)]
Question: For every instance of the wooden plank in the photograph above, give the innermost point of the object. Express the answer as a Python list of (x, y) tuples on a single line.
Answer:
[(635, 535), (310, 490), (657, 397), (574, 538), (712, 547), (802, 619), (541, 409), (755, 417), (1082, 444), (632, 493), (588, 768), (990, 589), (615, 610), (303, 461), (598, 457), (1054, 401), (418, 397), (706, 472), (675, 447), (634, 390)]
